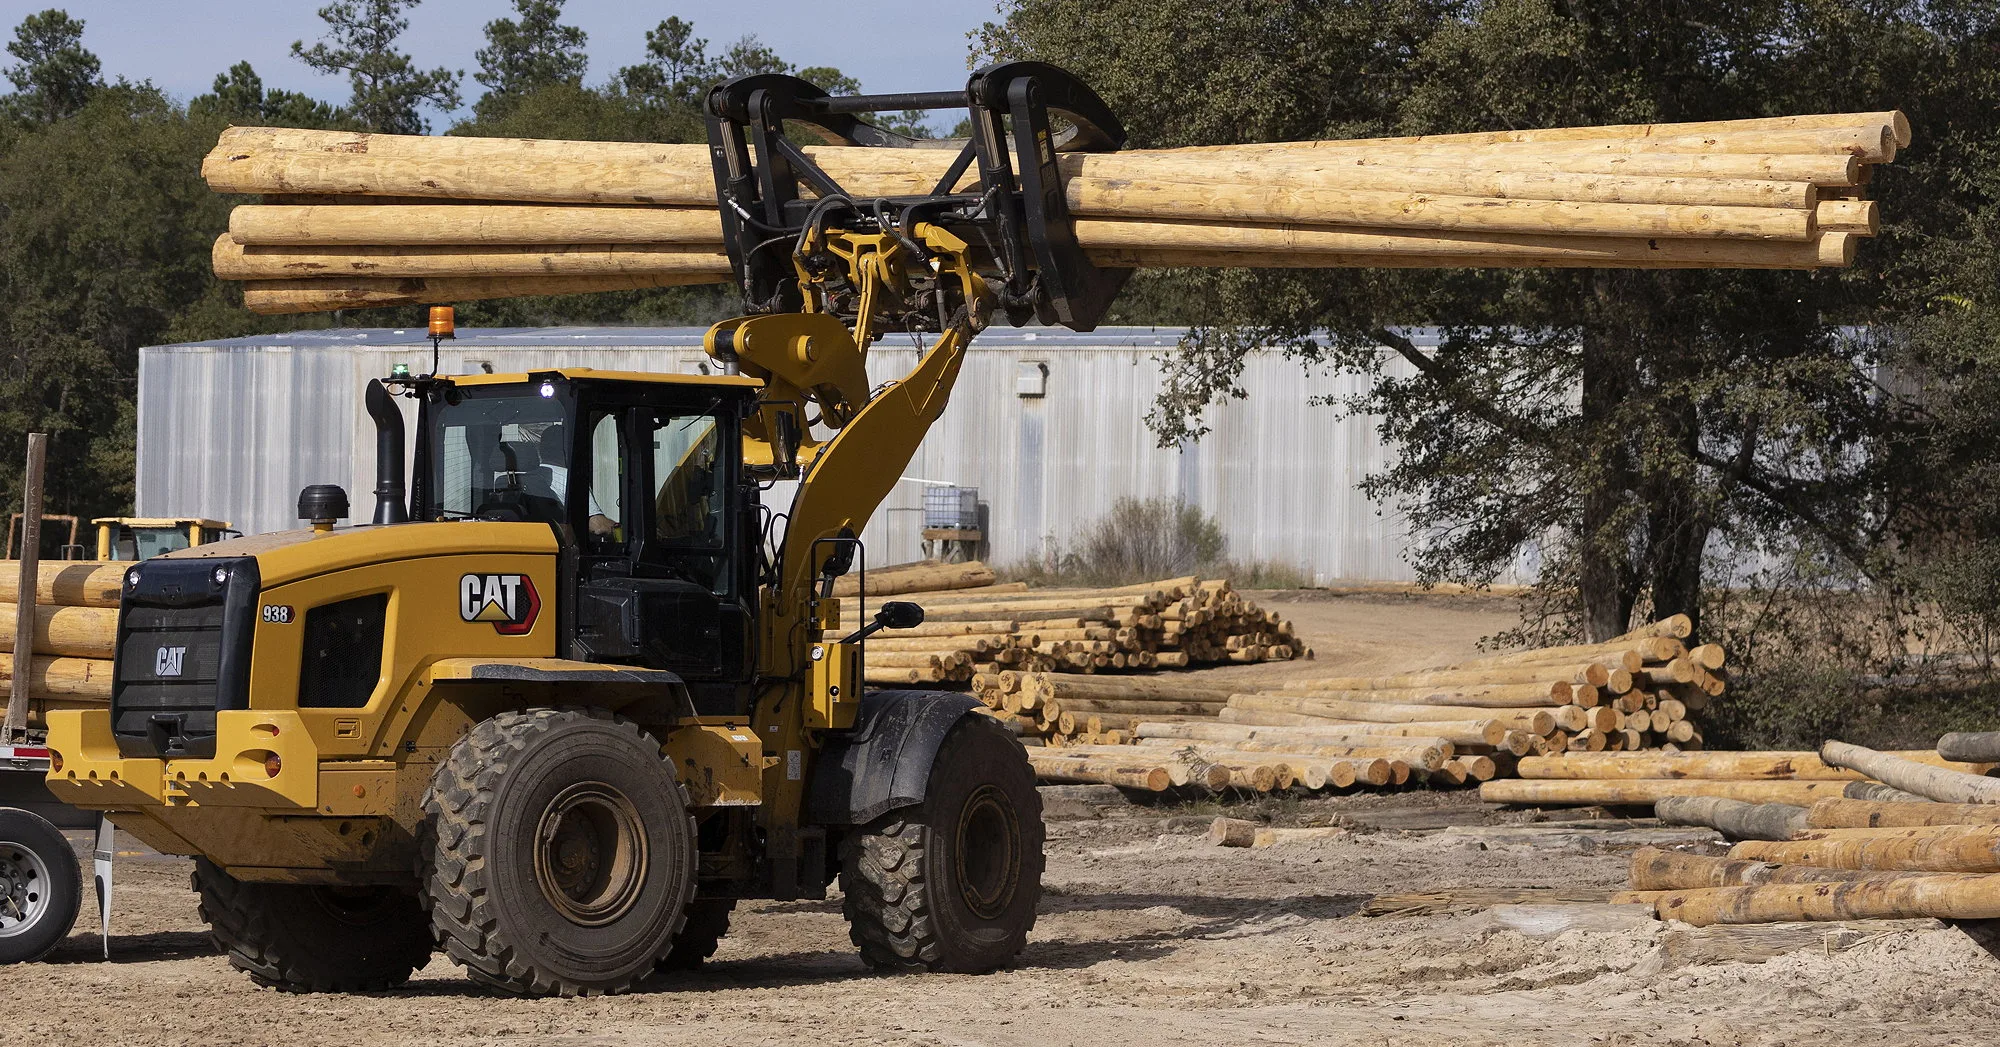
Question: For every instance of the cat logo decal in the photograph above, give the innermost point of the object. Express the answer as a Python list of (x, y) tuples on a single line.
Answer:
[(509, 601)]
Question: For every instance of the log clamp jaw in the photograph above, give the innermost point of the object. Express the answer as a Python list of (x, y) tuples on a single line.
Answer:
[(1014, 214)]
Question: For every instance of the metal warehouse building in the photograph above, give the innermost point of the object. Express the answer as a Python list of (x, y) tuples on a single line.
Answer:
[(1049, 425)]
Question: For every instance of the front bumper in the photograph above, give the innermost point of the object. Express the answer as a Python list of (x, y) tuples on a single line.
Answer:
[(91, 773)]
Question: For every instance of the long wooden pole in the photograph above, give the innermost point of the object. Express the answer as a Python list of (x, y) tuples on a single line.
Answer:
[(1945, 897), (15, 725), (1946, 786)]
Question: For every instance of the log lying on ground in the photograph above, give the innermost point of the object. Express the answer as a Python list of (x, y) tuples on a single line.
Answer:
[(1735, 819), (1975, 849), (1872, 814), (1458, 732), (1052, 765), (1876, 792), (922, 577), (1970, 746), (1937, 783), (1641, 791), (1537, 721), (1654, 869), (1804, 766), (1945, 897)]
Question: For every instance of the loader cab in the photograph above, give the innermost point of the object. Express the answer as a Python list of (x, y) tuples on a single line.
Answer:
[(641, 480)]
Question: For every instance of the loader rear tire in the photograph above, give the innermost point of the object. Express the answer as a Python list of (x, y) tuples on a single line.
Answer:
[(707, 924), (561, 853), (306, 938), (951, 884)]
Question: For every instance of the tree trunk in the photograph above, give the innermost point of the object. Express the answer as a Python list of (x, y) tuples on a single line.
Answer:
[(1605, 578)]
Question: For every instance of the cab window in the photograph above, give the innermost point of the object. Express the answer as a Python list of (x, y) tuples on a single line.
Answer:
[(686, 534)]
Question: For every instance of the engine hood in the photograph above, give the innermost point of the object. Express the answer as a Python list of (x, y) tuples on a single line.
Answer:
[(287, 556)]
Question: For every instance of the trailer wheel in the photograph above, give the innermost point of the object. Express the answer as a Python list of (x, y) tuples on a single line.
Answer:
[(952, 884), (561, 853), (41, 886), (312, 938)]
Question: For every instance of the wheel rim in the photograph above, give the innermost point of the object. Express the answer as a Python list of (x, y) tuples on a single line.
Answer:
[(986, 852), (24, 889), (590, 854)]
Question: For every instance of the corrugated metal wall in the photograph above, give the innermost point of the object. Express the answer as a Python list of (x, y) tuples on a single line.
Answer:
[(234, 429)]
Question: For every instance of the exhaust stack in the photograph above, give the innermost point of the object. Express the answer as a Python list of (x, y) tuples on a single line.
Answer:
[(389, 487)]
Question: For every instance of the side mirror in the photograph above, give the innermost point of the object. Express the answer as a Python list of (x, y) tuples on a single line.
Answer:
[(899, 614), (896, 614)]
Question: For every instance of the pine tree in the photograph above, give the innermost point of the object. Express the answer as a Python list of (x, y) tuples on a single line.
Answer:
[(389, 90)]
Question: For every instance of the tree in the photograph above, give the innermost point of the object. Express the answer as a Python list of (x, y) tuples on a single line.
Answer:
[(677, 68), (521, 57), (389, 91), (239, 97), (57, 75), (1624, 424), (106, 241)]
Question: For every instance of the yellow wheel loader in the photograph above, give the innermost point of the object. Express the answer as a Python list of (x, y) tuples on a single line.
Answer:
[(579, 686)]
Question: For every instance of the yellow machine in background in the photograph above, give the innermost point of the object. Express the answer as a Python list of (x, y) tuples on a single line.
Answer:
[(576, 689), (139, 538)]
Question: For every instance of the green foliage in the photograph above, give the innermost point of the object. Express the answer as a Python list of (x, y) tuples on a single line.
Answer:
[(239, 97), (106, 239), (522, 56), (389, 90), (56, 75), (677, 68)]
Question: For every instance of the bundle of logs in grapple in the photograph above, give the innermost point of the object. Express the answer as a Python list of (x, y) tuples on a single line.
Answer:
[(351, 219), (974, 627), (76, 631), (1448, 725)]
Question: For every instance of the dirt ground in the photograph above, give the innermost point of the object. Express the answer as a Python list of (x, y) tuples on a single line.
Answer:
[(1148, 935)]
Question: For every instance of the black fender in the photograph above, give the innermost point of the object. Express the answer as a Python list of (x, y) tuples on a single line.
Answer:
[(884, 762)]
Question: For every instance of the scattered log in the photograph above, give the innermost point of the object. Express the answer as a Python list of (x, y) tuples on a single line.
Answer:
[(1970, 746), (1655, 869), (1642, 791), (1736, 819), (1232, 832), (1054, 765), (1945, 897), (1975, 849), (1874, 814), (1937, 783)]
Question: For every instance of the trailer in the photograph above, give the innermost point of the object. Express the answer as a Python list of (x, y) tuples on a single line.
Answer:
[(41, 881)]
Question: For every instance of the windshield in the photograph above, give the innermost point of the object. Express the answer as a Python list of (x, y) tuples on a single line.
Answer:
[(498, 456)]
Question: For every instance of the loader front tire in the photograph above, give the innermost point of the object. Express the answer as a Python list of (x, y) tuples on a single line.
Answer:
[(951, 884), (308, 938), (560, 851)]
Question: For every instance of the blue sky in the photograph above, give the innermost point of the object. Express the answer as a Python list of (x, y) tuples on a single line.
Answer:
[(180, 45)]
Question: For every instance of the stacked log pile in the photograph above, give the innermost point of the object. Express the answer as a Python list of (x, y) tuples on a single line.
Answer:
[(1796, 778), (1933, 853), (76, 628), (1636, 692), (1451, 725), (974, 628), (351, 219)]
